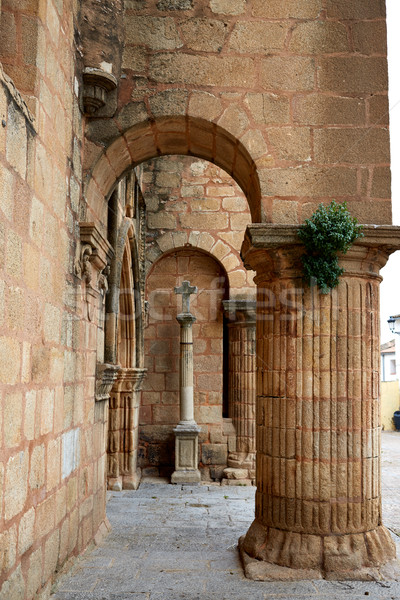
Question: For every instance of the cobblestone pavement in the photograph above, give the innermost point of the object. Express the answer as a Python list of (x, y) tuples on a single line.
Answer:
[(179, 542)]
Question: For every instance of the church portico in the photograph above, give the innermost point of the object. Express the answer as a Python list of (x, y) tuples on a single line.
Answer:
[(138, 141)]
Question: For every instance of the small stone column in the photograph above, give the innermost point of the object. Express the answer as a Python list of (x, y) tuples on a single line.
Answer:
[(241, 318), (123, 430), (318, 500), (187, 430)]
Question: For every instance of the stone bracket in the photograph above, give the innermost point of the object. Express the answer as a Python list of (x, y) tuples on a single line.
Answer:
[(95, 91)]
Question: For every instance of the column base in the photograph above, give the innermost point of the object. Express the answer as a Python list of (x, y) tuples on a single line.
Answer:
[(114, 484), (186, 453), (188, 477), (274, 555), (132, 482)]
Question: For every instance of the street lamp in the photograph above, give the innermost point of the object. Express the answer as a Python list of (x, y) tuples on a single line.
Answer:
[(391, 322)]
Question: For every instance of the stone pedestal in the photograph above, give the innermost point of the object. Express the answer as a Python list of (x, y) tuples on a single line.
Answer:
[(123, 430), (187, 431), (318, 500), (241, 318)]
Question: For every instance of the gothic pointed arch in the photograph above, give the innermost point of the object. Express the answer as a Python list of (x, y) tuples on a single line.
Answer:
[(123, 334)]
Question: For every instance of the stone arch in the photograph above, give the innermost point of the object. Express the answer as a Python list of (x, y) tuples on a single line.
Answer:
[(184, 135), (124, 331), (126, 335), (198, 240), (124, 274)]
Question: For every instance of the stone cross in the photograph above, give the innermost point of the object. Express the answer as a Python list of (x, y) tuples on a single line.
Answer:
[(186, 290)]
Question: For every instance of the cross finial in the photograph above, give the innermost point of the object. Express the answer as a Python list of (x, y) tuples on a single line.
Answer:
[(186, 290)]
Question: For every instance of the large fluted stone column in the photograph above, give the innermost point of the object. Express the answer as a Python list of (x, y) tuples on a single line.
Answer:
[(241, 319), (123, 430), (318, 500)]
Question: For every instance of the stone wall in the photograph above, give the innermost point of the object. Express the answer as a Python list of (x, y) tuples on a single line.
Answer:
[(297, 94), (52, 448), (194, 203)]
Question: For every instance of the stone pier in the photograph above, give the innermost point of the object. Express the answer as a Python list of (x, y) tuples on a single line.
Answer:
[(123, 430), (241, 319), (187, 430), (318, 500)]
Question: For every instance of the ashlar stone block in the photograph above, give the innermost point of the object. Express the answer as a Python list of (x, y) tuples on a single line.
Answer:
[(228, 7), (16, 484), (158, 33)]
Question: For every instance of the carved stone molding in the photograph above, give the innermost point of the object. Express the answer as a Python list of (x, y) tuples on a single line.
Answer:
[(106, 375), (123, 429), (91, 264), (130, 379), (240, 311), (102, 251)]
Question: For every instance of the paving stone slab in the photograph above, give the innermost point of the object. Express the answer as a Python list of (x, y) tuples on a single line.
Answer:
[(180, 543)]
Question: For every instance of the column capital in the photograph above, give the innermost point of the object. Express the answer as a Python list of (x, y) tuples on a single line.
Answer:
[(185, 319), (129, 379), (240, 311), (275, 250)]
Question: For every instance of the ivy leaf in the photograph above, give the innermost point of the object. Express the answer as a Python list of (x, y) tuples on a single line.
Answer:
[(331, 229)]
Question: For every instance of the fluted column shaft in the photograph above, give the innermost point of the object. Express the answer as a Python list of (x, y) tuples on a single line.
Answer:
[(123, 429), (241, 318), (318, 500), (186, 321)]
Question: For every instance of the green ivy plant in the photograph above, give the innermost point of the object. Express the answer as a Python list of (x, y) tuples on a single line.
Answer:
[(330, 230)]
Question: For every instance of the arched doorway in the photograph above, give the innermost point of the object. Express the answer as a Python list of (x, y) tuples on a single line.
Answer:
[(159, 412), (208, 141)]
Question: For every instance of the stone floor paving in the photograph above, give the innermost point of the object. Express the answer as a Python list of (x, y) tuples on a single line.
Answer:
[(180, 543)]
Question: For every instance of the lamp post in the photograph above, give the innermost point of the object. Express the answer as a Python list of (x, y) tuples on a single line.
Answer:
[(392, 323), (394, 326)]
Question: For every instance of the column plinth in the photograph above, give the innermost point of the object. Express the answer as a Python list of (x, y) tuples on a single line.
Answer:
[(318, 500), (187, 431)]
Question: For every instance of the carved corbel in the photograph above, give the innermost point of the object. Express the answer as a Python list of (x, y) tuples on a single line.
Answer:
[(82, 264), (96, 87), (102, 281), (106, 375), (92, 265)]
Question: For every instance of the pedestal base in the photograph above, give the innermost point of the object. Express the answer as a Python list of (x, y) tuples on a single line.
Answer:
[(189, 477), (273, 555), (186, 453), (241, 469)]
